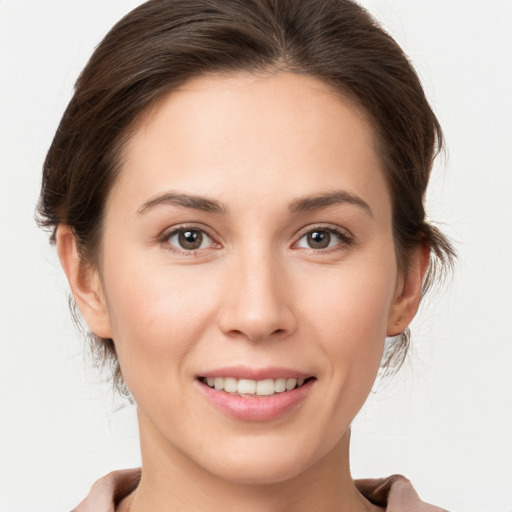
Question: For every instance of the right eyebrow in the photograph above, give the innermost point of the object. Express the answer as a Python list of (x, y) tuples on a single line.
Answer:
[(188, 201)]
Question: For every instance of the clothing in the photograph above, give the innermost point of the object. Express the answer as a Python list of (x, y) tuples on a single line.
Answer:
[(395, 493)]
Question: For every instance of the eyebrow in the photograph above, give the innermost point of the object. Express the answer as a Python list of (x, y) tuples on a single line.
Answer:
[(300, 205), (319, 201), (188, 201)]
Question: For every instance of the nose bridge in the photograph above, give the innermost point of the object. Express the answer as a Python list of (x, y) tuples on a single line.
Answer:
[(257, 304)]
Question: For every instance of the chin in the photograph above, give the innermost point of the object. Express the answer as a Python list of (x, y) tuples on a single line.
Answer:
[(268, 472), (263, 461)]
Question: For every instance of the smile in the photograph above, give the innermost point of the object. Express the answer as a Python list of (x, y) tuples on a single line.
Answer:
[(249, 387), (255, 395)]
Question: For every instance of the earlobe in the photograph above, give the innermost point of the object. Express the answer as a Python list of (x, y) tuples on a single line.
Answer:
[(85, 283), (408, 292)]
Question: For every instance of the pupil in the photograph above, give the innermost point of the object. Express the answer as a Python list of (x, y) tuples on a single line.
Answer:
[(319, 239), (190, 239)]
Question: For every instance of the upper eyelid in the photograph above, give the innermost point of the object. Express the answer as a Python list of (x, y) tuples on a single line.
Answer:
[(166, 233), (333, 228)]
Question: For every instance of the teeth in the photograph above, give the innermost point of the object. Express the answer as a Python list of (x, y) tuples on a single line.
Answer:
[(230, 385), (264, 387), (280, 385), (290, 384), (246, 387)]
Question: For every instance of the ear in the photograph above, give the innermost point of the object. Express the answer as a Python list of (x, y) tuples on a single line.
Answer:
[(408, 292), (85, 283)]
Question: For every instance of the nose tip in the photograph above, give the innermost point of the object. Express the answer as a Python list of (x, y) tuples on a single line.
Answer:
[(257, 307)]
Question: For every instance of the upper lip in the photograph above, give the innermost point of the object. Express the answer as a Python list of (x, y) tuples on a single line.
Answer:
[(247, 372)]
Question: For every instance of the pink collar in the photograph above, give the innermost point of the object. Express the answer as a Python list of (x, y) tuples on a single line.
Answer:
[(395, 493)]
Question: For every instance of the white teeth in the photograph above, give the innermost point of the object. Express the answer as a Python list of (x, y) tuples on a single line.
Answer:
[(290, 384), (280, 385), (265, 387), (246, 387), (230, 385)]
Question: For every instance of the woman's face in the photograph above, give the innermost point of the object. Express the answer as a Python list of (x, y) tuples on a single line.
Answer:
[(247, 244)]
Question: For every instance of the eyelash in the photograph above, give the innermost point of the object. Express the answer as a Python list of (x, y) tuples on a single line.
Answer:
[(167, 235), (346, 240)]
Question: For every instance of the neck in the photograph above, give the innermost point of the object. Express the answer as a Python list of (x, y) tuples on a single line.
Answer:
[(171, 481)]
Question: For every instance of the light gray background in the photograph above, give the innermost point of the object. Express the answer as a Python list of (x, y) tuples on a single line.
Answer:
[(445, 421)]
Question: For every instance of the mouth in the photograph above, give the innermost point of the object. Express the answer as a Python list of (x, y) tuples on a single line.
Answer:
[(254, 388), (256, 394)]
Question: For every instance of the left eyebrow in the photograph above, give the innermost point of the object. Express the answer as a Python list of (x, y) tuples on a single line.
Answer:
[(319, 201)]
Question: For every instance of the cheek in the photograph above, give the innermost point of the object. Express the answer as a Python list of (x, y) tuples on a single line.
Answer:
[(350, 316), (353, 303), (158, 315)]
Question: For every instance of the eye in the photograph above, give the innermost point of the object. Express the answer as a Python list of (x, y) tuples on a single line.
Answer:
[(188, 239), (323, 238)]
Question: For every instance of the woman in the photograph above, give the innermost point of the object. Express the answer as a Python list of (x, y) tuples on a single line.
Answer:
[(236, 196)]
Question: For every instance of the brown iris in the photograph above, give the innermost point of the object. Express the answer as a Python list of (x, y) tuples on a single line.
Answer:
[(190, 239), (319, 239)]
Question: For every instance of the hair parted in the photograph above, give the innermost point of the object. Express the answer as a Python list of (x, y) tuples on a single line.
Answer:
[(164, 43)]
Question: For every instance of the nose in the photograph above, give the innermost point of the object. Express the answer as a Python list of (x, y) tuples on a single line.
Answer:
[(257, 302)]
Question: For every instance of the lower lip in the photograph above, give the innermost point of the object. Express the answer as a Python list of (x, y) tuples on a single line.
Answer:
[(249, 408)]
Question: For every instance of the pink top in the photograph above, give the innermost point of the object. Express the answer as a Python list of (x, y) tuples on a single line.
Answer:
[(395, 493)]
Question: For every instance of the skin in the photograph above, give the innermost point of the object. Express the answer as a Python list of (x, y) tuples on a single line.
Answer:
[(255, 294)]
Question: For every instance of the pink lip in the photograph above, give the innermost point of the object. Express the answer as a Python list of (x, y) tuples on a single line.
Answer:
[(252, 408), (246, 372)]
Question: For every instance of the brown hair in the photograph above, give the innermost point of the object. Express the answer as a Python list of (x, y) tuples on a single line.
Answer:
[(163, 43)]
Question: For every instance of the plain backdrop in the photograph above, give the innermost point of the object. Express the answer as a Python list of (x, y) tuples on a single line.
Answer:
[(445, 420)]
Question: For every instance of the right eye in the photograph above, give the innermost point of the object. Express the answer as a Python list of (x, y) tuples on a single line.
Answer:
[(188, 240)]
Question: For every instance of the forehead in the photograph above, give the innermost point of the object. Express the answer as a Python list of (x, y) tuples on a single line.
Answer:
[(257, 132)]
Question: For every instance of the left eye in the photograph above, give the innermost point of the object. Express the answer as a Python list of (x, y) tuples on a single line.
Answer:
[(187, 239), (321, 239)]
